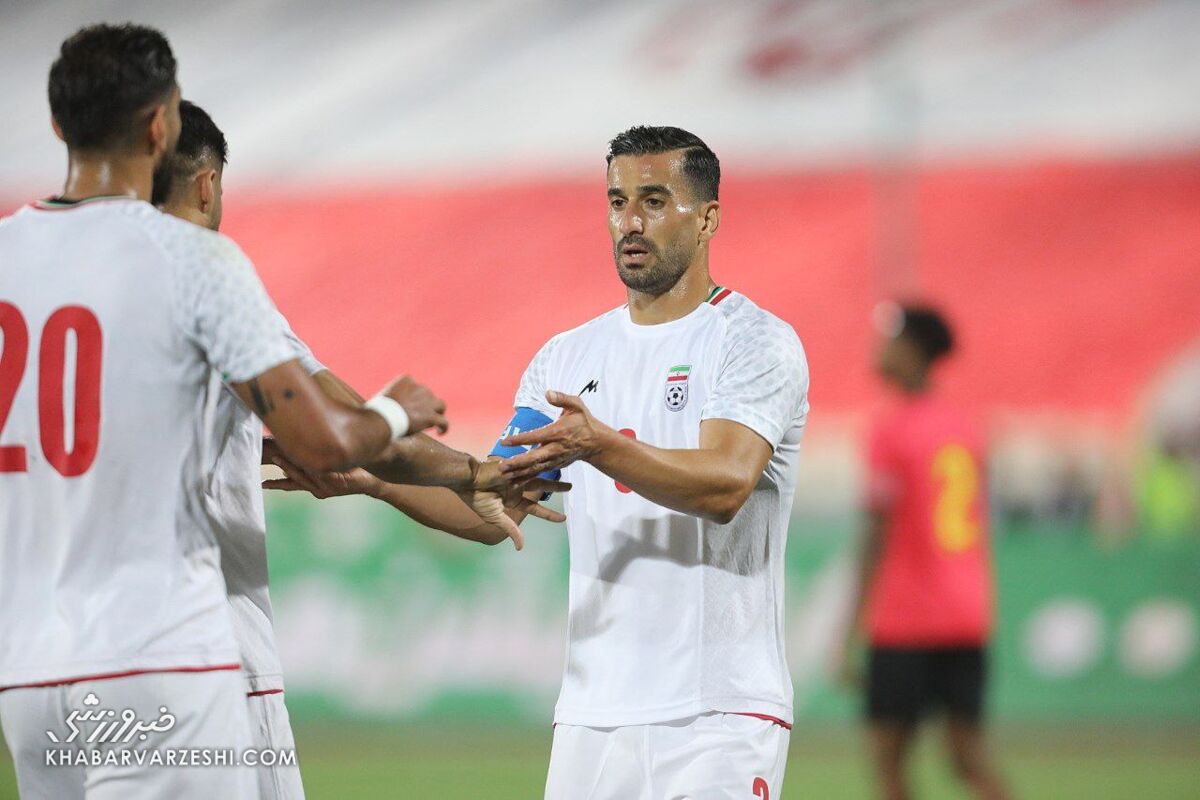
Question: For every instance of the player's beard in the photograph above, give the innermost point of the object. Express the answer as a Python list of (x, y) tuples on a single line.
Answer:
[(659, 276)]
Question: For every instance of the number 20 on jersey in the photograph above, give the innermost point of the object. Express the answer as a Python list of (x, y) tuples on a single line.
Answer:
[(52, 355)]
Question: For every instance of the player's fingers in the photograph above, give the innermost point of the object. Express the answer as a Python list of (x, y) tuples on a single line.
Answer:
[(520, 471), (505, 523), (544, 485), (539, 436), (538, 457), (564, 400), (440, 422), (490, 508), (521, 474), (547, 462), (270, 450), (539, 510), (282, 484), (299, 477)]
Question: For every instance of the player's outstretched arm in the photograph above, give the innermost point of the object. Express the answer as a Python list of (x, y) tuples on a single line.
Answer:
[(454, 498), (321, 434), (712, 481), (419, 460), (434, 507)]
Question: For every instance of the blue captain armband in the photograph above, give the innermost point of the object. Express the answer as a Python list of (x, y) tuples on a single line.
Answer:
[(526, 419)]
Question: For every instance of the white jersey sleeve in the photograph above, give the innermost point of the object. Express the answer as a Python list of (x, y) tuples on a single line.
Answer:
[(301, 350), (223, 308), (536, 381), (763, 377)]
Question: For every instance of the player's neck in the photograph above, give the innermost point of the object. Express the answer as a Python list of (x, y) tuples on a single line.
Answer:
[(187, 212), (108, 176), (677, 302)]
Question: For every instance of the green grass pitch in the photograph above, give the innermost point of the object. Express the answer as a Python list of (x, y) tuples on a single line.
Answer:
[(1059, 762)]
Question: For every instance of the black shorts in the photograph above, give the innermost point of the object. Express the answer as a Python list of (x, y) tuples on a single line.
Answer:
[(906, 683)]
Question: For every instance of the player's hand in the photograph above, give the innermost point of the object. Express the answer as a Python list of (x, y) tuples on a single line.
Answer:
[(574, 436), (491, 493), (424, 409), (323, 485)]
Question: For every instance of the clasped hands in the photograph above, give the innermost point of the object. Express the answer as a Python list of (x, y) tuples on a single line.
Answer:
[(494, 486)]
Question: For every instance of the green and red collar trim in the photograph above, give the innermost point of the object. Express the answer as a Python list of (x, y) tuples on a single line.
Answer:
[(718, 294)]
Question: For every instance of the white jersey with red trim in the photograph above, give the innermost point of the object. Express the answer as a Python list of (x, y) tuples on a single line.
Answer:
[(119, 324), (670, 615), (235, 507)]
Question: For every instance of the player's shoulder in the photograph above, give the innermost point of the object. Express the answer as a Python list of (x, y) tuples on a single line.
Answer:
[(749, 325), (582, 334), (186, 243), (13, 218)]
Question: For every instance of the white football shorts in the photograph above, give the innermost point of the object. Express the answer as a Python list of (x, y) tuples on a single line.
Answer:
[(176, 735), (271, 729), (713, 756)]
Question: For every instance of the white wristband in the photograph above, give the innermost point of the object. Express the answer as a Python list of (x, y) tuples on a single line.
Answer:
[(392, 412)]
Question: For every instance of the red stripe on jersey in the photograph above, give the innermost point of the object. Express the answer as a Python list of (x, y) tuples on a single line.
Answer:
[(264, 692), (765, 717), (677, 378), (108, 676), (721, 296)]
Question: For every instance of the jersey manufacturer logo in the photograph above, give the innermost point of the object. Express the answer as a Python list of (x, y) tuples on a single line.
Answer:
[(592, 386), (677, 387)]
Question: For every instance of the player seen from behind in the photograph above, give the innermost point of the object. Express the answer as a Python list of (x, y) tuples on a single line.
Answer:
[(119, 326)]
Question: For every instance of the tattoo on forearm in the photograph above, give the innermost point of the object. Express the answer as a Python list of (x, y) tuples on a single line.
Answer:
[(262, 400)]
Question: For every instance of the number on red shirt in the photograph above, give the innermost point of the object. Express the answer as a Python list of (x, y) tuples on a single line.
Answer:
[(953, 524), (52, 355)]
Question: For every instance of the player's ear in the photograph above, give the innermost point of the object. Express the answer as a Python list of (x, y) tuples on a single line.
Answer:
[(206, 183), (57, 130), (710, 220), (157, 131)]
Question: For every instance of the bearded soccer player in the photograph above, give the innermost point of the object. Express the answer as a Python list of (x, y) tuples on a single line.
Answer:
[(189, 185), (111, 597), (925, 572), (679, 417)]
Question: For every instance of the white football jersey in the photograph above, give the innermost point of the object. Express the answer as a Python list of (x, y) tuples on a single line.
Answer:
[(670, 615), (119, 324), (235, 507)]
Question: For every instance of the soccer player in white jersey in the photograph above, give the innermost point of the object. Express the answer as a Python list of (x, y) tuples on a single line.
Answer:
[(188, 185), (679, 417), (118, 325)]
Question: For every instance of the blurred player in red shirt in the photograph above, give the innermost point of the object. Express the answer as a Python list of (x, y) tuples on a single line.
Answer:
[(925, 588)]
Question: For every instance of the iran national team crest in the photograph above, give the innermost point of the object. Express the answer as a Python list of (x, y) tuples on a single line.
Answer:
[(677, 387)]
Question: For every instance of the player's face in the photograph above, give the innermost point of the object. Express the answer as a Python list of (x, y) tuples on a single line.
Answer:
[(898, 360), (654, 221)]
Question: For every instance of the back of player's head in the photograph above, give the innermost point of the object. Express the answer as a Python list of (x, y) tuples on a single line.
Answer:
[(700, 164), (926, 328), (104, 78), (201, 144)]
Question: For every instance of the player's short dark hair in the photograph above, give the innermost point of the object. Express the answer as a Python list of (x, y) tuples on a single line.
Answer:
[(700, 164), (200, 141), (927, 329), (105, 76)]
